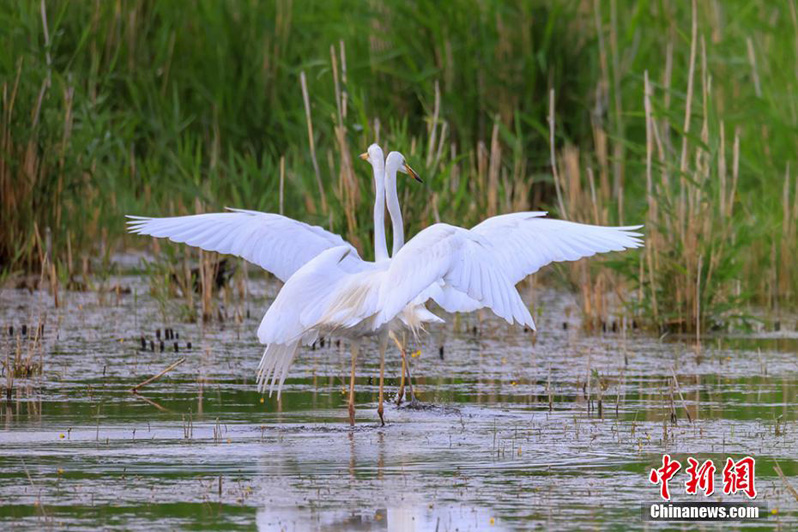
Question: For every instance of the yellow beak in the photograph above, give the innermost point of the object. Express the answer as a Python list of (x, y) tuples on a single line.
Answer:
[(412, 173)]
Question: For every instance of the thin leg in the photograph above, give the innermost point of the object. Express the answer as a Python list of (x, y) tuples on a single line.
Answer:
[(380, 409), (352, 386), (410, 382), (401, 392)]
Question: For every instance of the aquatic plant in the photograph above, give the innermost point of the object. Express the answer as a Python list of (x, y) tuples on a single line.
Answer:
[(679, 115)]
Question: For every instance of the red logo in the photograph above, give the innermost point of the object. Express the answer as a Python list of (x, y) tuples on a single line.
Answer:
[(664, 474), (702, 478), (737, 476)]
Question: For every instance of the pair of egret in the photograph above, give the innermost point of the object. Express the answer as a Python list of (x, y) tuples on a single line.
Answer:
[(330, 291)]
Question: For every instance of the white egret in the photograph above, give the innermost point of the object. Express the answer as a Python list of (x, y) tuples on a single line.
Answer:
[(297, 307), (460, 269), (329, 290), (417, 315), (394, 162), (280, 244)]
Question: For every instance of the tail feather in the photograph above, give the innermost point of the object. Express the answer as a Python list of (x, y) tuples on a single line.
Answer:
[(274, 365)]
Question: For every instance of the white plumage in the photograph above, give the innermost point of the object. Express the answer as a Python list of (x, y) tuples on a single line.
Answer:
[(470, 266), (330, 290), (276, 243)]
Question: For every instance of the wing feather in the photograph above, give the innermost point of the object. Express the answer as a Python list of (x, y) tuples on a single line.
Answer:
[(524, 242), (460, 259), (276, 243)]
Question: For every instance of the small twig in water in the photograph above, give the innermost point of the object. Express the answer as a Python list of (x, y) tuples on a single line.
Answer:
[(33, 485), (135, 389), (790, 488), (150, 402), (679, 391)]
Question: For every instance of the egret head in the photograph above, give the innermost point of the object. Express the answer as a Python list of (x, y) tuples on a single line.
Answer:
[(374, 156), (396, 163)]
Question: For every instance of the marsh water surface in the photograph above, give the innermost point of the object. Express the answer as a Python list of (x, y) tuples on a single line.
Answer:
[(514, 431)]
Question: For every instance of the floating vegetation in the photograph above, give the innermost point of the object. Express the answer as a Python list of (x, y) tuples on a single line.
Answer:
[(22, 355)]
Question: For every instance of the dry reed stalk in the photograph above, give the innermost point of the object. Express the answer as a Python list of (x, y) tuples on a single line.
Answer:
[(347, 180), (735, 172), (185, 281), (591, 179), (336, 84), (54, 284), (282, 182), (693, 219), (651, 216), (69, 256), (46, 32), (35, 346), (554, 172), (154, 378), (603, 87), (208, 268), (572, 182), (681, 397), (783, 477), (454, 174), (478, 185), (722, 169), (9, 376), (787, 238), (754, 73), (793, 249), (344, 94), (603, 157), (216, 142), (617, 146), (441, 145), (311, 141), (584, 206), (151, 402), (432, 128), (698, 304), (494, 168), (602, 92), (69, 92), (687, 115), (521, 182), (667, 77)]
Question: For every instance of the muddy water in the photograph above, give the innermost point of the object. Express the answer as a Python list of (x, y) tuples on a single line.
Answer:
[(560, 431)]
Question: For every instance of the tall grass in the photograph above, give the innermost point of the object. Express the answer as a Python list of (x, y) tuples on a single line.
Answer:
[(682, 117)]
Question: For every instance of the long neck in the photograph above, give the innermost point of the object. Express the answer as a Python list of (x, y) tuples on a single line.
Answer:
[(380, 245), (395, 211)]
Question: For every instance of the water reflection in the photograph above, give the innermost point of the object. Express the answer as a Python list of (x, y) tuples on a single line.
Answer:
[(399, 518)]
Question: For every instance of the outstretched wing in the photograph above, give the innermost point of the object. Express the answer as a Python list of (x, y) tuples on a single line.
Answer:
[(448, 298), (461, 260), (523, 242), (276, 243)]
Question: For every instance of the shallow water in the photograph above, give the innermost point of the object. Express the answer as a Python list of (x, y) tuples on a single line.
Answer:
[(557, 431)]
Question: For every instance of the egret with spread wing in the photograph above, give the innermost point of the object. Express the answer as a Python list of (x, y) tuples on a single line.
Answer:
[(296, 316), (329, 290), (282, 246), (460, 269)]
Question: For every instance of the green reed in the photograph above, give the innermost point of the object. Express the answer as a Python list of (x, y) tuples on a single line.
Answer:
[(173, 107)]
